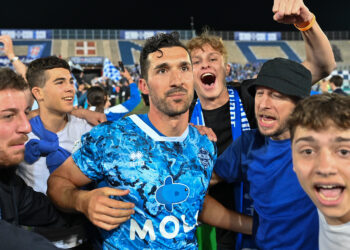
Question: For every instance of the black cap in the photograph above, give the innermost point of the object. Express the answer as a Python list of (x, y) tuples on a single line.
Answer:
[(285, 76)]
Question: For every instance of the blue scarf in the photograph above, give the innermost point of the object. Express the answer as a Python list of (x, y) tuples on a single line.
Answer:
[(48, 146), (239, 121)]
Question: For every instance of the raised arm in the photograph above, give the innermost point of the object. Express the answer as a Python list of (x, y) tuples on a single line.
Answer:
[(104, 212), (116, 112), (19, 67), (319, 55), (217, 215)]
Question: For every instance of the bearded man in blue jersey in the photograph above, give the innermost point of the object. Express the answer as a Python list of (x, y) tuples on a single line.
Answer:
[(156, 167)]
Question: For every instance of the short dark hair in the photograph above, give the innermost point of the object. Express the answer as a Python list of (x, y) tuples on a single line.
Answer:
[(36, 69), (315, 112), (336, 80), (155, 43), (11, 80), (97, 97)]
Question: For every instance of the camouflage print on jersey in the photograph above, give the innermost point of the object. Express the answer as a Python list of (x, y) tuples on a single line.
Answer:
[(167, 178)]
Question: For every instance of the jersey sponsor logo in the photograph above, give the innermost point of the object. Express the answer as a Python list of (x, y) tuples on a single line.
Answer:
[(171, 193), (204, 157), (149, 229), (136, 159)]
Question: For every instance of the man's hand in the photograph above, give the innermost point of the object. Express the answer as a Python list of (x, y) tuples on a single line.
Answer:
[(291, 12), (206, 131), (92, 117), (103, 211), (127, 75), (8, 46)]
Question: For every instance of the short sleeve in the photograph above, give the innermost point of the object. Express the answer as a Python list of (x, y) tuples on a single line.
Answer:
[(89, 155), (228, 164)]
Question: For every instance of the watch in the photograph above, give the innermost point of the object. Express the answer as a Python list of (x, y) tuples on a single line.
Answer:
[(15, 58)]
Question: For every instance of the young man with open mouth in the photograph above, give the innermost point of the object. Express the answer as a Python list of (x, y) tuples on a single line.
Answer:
[(320, 131)]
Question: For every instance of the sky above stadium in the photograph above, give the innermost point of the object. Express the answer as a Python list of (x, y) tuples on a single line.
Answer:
[(250, 15)]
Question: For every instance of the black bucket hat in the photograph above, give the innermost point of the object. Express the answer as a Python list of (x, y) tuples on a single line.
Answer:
[(285, 76)]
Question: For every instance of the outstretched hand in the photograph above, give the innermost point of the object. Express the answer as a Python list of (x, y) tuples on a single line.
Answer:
[(291, 12)]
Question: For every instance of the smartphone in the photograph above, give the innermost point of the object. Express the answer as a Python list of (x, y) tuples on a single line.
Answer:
[(121, 66)]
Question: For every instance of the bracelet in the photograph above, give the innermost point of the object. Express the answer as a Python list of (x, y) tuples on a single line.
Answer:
[(15, 58), (307, 25)]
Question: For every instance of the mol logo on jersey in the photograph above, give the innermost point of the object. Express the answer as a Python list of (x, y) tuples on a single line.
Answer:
[(149, 229)]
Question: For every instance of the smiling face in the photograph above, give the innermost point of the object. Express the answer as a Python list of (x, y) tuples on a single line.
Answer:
[(14, 125), (209, 70), (272, 110), (321, 160), (170, 81), (57, 95)]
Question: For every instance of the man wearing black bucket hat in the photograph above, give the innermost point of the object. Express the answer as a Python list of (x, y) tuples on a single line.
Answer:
[(287, 218)]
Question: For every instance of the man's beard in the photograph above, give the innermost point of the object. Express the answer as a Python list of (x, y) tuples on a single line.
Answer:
[(280, 130), (166, 108), (8, 159)]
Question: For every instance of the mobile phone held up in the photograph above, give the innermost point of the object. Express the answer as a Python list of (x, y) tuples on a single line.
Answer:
[(121, 66)]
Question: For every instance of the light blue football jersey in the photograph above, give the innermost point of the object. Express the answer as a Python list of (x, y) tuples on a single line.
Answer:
[(167, 177)]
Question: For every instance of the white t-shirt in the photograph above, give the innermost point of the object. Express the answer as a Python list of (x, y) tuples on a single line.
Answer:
[(333, 237), (36, 174)]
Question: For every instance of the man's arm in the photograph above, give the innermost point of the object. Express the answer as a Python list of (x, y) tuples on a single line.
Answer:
[(19, 67), (92, 117), (319, 55), (217, 215), (106, 213), (118, 111), (215, 179)]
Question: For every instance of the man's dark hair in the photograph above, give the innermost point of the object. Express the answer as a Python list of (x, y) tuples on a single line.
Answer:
[(155, 43), (36, 76), (336, 80), (97, 97), (10, 80)]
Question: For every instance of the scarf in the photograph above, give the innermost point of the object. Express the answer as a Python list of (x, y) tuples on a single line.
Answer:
[(48, 146)]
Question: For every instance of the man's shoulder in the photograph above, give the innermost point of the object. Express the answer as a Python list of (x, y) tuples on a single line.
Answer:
[(109, 127), (198, 139)]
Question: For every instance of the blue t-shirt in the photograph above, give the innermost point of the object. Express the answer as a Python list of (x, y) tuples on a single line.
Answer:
[(287, 217), (167, 178)]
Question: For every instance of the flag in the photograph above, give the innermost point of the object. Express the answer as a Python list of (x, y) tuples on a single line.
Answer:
[(110, 71), (35, 51)]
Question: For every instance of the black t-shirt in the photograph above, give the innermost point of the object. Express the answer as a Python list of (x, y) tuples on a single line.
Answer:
[(219, 120)]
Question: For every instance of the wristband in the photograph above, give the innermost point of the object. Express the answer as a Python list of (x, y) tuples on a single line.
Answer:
[(307, 25), (15, 58)]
